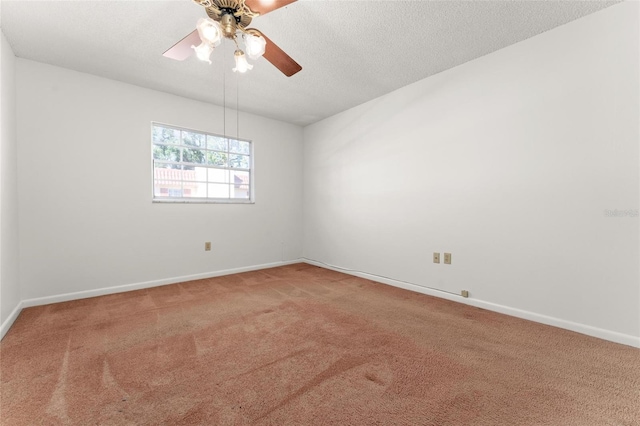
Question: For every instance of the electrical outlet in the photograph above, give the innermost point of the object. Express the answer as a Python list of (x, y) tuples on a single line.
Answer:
[(447, 258), (436, 257), (464, 293), (207, 246)]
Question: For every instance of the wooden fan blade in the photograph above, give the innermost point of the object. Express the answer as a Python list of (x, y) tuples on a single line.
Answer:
[(277, 57), (265, 6), (182, 49)]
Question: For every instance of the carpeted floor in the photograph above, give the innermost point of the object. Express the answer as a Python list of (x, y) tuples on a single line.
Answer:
[(302, 345)]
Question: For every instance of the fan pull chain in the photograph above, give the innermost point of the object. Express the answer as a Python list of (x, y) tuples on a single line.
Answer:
[(224, 103), (238, 107)]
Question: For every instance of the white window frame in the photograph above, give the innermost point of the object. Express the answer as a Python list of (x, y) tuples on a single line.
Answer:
[(201, 200)]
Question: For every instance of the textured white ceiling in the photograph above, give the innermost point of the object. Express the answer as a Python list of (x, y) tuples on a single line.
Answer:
[(351, 51)]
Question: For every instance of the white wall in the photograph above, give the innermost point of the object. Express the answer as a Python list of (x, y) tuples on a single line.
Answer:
[(9, 285), (508, 162), (87, 221)]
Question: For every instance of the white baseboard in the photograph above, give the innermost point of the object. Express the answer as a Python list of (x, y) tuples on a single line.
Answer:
[(27, 303), (148, 284), (600, 333), (6, 325), (612, 336)]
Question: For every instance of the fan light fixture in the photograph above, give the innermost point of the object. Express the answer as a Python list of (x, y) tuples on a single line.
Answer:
[(211, 33), (255, 45), (203, 51), (241, 62)]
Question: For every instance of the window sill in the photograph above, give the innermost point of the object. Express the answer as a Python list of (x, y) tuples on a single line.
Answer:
[(184, 201)]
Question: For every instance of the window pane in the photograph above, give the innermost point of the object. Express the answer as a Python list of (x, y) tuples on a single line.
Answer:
[(218, 190), (218, 176), (195, 190), (189, 174), (240, 147), (167, 177), (217, 158), (164, 188), (217, 143), (165, 135), (239, 161), (193, 139), (240, 178), (241, 193), (199, 174), (193, 156), (241, 185), (166, 153)]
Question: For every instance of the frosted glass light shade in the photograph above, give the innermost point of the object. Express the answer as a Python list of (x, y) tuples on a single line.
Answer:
[(209, 31), (203, 51), (255, 46), (242, 65)]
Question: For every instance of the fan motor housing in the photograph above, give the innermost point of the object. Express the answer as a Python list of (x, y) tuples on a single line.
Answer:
[(218, 9)]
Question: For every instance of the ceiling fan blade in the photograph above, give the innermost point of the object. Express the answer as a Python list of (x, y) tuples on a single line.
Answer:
[(265, 6), (182, 49), (277, 57)]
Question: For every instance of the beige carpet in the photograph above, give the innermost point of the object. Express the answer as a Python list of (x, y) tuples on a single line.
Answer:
[(301, 345)]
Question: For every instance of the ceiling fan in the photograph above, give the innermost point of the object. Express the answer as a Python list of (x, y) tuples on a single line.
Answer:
[(230, 18)]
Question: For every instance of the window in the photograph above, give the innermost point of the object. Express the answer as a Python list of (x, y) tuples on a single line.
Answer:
[(192, 166)]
